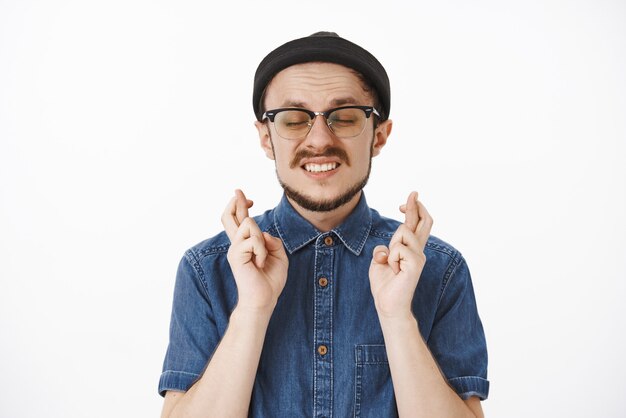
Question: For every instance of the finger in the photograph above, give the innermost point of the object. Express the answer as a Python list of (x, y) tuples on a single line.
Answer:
[(250, 232), (247, 229), (274, 245), (397, 236), (228, 219), (406, 237), (380, 254), (406, 258), (425, 224), (394, 258), (241, 208), (252, 249), (411, 215)]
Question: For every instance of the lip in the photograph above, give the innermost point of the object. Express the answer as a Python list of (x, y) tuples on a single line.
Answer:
[(319, 160)]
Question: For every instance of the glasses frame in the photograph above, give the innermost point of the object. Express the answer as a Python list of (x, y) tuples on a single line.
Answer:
[(271, 114)]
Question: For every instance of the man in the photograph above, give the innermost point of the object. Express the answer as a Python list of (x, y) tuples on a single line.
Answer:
[(321, 307)]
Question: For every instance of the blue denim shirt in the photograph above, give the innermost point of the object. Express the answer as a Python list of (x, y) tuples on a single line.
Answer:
[(326, 302)]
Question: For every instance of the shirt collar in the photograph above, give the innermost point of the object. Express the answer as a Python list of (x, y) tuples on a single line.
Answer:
[(296, 232)]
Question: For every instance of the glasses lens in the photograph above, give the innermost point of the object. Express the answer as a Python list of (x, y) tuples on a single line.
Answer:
[(292, 124), (346, 123)]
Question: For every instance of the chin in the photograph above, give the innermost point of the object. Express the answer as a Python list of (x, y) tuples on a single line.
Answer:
[(323, 204)]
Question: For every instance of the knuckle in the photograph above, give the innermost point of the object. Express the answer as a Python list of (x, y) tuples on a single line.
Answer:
[(256, 241), (248, 222)]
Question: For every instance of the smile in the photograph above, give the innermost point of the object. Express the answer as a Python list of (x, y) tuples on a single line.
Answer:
[(320, 168)]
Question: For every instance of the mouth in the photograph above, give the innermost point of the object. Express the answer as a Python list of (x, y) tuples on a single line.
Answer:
[(320, 168)]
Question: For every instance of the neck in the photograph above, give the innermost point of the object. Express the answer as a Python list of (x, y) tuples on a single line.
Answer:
[(325, 221)]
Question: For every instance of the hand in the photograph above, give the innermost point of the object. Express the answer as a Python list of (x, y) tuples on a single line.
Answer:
[(257, 259), (395, 271)]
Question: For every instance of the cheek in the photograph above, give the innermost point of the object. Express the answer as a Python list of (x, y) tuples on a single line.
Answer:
[(363, 157), (283, 156)]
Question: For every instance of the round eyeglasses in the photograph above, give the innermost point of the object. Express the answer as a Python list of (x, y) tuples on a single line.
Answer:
[(295, 123)]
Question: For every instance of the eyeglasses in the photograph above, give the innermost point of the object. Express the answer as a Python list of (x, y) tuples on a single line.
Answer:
[(295, 123)]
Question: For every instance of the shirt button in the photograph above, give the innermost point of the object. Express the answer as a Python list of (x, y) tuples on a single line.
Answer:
[(328, 241), (323, 281), (322, 349)]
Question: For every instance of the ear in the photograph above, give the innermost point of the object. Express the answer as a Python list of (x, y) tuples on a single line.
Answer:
[(264, 137), (382, 132)]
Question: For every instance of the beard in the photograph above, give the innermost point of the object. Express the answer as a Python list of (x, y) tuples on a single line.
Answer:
[(324, 205)]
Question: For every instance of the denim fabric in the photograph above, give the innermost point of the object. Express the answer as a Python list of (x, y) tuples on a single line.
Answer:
[(352, 379)]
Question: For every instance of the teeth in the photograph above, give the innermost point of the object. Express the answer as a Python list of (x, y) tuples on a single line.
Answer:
[(318, 168)]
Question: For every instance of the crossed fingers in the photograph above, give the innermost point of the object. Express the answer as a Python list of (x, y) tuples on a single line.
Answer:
[(407, 244), (244, 234), (417, 218), (234, 214)]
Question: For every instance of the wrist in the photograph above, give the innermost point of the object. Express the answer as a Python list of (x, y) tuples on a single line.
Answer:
[(256, 314), (397, 320)]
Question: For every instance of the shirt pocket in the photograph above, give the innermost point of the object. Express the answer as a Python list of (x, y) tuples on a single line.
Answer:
[(374, 395)]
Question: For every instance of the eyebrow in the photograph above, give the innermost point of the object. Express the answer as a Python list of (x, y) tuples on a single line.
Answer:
[(333, 103), (343, 101), (293, 103)]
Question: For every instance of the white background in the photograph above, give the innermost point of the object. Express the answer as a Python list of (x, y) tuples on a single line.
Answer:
[(126, 125)]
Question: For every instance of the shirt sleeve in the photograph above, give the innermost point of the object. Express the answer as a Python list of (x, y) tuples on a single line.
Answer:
[(457, 340), (193, 334)]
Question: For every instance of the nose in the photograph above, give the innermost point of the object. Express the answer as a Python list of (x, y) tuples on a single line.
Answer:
[(320, 136)]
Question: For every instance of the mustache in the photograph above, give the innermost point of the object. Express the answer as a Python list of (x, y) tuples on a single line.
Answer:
[(328, 152)]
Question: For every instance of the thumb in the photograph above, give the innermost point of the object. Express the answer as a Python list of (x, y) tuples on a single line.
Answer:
[(272, 243), (380, 255)]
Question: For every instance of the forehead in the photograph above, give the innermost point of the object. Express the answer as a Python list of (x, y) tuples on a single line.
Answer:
[(316, 85)]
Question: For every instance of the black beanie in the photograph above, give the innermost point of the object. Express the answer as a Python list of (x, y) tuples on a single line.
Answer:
[(322, 47)]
